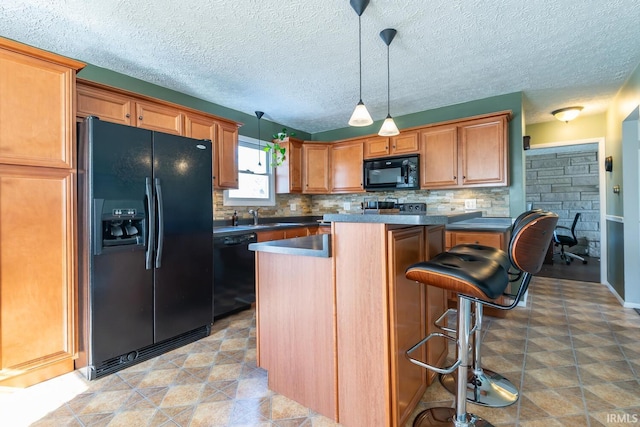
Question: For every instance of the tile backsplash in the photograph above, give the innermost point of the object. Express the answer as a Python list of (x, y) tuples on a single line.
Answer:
[(491, 201)]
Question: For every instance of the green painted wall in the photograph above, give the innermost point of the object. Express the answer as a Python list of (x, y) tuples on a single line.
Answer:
[(250, 122), (584, 127)]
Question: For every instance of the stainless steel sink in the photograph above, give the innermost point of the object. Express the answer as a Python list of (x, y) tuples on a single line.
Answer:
[(245, 227)]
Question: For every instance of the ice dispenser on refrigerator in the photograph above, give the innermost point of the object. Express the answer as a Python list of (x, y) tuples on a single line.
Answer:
[(121, 224)]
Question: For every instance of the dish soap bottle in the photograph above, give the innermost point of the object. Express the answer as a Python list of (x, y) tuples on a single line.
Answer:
[(234, 218)]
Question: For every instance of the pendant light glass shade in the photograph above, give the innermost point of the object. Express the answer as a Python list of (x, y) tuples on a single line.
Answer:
[(360, 116), (389, 127)]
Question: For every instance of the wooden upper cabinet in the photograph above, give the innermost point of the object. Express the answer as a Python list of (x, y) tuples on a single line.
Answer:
[(315, 168), (376, 146), (226, 152), (160, 118), (483, 152), (108, 106), (199, 127), (346, 167), (118, 106), (405, 143), (466, 153), (439, 157), (37, 107), (382, 146), (289, 173)]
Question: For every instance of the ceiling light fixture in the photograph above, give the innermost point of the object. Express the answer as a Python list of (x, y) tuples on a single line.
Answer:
[(567, 114), (259, 115), (389, 127), (360, 116)]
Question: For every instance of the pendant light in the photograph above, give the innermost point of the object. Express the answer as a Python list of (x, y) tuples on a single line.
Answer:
[(360, 116), (259, 115), (389, 127)]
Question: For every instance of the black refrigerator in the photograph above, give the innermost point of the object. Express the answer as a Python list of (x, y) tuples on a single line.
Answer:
[(145, 244)]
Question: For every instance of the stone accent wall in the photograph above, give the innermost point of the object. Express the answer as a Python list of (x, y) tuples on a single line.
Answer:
[(491, 201), (565, 181), (282, 207)]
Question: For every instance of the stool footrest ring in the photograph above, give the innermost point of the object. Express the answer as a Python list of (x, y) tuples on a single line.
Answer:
[(440, 319), (422, 342)]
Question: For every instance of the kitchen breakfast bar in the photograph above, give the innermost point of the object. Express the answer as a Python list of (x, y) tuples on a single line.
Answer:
[(335, 315)]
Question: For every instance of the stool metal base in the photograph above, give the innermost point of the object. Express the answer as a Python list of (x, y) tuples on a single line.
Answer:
[(486, 388), (443, 417)]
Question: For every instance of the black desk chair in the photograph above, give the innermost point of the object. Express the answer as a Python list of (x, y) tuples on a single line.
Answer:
[(565, 236)]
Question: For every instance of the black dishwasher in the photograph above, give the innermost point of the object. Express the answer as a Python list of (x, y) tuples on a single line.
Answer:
[(234, 282)]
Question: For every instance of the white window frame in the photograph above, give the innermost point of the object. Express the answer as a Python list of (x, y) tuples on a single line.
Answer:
[(271, 201)]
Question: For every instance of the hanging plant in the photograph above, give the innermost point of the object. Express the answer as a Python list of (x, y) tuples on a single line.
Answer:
[(278, 152)]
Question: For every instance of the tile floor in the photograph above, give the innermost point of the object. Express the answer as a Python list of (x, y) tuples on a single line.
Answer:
[(574, 353)]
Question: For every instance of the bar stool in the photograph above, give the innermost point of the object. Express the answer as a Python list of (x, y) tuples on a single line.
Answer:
[(477, 279), (484, 386)]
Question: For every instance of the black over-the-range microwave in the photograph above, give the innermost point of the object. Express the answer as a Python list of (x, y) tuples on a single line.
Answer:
[(392, 173)]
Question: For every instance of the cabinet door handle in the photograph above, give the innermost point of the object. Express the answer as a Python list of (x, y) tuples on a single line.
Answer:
[(139, 117), (455, 177), (127, 115)]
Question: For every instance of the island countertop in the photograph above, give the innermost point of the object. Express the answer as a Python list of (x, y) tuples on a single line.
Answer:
[(315, 246), (404, 219)]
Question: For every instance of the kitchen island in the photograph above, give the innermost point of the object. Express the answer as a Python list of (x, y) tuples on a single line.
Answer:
[(335, 316)]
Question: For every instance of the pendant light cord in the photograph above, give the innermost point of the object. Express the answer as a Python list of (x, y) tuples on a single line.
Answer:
[(259, 146), (360, 52), (388, 84)]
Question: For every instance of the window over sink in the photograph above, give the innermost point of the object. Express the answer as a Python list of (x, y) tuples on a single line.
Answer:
[(256, 180)]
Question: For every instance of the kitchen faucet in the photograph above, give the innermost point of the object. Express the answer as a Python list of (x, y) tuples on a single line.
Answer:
[(254, 212)]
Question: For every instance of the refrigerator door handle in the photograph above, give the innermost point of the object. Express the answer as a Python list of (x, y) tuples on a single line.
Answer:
[(160, 223), (148, 256)]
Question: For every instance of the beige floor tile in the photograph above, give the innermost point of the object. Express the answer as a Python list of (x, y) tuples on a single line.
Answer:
[(583, 353)]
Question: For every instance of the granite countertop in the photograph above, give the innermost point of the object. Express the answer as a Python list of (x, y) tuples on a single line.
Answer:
[(482, 224), (404, 218), (317, 246)]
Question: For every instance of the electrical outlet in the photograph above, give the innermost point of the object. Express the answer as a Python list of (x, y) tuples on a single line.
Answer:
[(346, 206), (470, 203), (292, 206)]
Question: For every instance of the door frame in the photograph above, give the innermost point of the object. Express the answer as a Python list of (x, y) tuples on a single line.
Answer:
[(602, 193)]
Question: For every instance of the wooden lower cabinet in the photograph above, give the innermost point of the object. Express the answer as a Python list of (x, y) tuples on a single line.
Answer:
[(37, 265), (380, 315), (408, 316)]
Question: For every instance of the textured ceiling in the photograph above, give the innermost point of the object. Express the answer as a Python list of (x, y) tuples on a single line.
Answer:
[(297, 60)]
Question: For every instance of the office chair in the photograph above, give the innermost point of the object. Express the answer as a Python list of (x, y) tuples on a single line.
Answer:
[(562, 238)]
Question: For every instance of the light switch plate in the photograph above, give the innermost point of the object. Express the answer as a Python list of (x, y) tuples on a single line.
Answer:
[(347, 206), (292, 206), (470, 203)]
